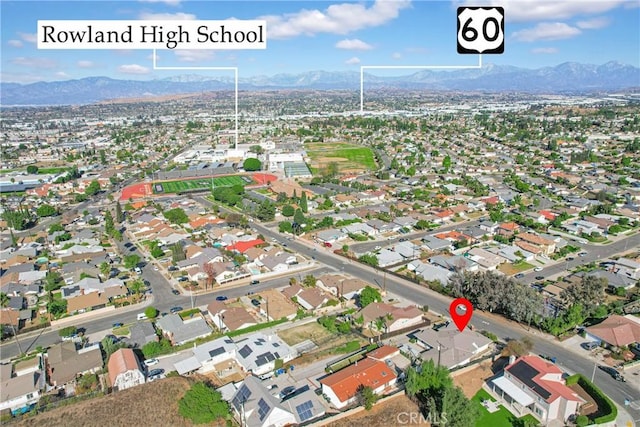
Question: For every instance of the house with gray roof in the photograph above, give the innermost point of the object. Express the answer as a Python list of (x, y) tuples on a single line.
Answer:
[(430, 272), (433, 243), (258, 352), (180, 331), (331, 235), (388, 257), (450, 347), (453, 263), (141, 333)]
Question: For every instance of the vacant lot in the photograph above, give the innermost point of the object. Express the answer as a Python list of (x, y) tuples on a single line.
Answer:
[(150, 404), (393, 412), (510, 269), (200, 183), (471, 381), (349, 157), (311, 331)]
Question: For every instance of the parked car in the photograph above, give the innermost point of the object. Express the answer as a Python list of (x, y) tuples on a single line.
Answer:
[(175, 292), (272, 386), (287, 391), (117, 325), (254, 282), (172, 268), (183, 279), (519, 275), (537, 269), (151, 362), (539, 277), (402, 239), (582, 254), (611, 371), (221, 298), (154, 372), (255, 302), (590, 345), (175, 309)]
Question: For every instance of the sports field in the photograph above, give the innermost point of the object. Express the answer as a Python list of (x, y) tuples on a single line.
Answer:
[(200, 183), (349, 157)]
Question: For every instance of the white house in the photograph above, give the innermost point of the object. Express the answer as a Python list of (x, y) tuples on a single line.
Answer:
[(125, 370), (19, 393)]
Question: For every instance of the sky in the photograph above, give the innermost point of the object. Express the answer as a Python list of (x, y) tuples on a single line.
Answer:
[(325, 35)]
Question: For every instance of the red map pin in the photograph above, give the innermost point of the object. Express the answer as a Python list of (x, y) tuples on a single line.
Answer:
[(461, 311)]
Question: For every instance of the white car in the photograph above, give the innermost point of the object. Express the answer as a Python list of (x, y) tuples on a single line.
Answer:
[(151, 362), (537, 269)]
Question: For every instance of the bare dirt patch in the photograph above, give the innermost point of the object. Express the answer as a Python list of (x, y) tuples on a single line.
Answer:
[(382, 414), (152, 404), (471, 381), (310, 331)]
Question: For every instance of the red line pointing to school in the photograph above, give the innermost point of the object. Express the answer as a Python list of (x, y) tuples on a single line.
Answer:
[(461, 311)]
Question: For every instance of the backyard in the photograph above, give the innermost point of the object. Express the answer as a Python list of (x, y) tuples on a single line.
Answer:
[(500, 418), (349, 157), (312, 331)]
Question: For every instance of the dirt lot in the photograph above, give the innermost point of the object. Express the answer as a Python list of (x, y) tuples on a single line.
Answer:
[(152, 404), (470, 382), (312, 331), (382, 414)]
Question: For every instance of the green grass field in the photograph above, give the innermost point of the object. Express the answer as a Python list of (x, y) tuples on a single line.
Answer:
[(200, 183), (348, 156), (501, 418)]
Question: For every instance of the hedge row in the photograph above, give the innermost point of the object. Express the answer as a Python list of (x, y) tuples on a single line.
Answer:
[(605, 405), (254, 328)]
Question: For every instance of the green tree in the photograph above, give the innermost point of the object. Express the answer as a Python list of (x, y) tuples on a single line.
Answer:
[(136, 286), (68, 331), (52, 281), (131, 261), (4, 300), (298, 217), (427, 379), (119, 213), (109, 347), (304, 205), (368, 296), (46, 210), (309, 281), (461, 412), (266, 211), (108, 222), (252, 164), (288, 210), (93, 188), (366, 397), (151, 312), (446, 163), (33, 169), (57, 307), (105, 269), (55, 227), (370, 259), (177, 215), (202, 404), (285, 227)]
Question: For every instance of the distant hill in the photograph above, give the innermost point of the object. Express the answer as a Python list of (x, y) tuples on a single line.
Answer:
[(569, 77)]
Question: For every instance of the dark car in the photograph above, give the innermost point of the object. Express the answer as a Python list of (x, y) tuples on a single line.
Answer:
[(254, 282), (539, 277), (287, 391), (154, 372), (611, 371), (255, 302), (221, 298), (117, 325), (175, 292), (403, 239), (172, 268), (175, 309), (183, 279), (519, 275)]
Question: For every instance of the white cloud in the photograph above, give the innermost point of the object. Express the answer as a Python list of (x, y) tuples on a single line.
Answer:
[(34, 62), (29, 37), (61, 75), (544, 50), (167, 16), (537, 10), (594, 24), (353, 44), (547, 31), (352, 61), (20, 78), (133, 69), (193, 55), (85, 64), (336, 19), (396, 55), (418, 50), (15, 43), (167, 2), (150, 56)]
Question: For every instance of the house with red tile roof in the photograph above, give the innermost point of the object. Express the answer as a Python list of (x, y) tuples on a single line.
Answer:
[(545, 245), (616, 330), (531, 385), (507, 228), (342, 387), (243, 246)]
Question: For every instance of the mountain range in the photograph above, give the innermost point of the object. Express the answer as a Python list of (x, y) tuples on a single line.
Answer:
[(569, 77)]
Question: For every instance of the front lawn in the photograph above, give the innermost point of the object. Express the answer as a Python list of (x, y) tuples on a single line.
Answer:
[(511, 269), (500, 418)]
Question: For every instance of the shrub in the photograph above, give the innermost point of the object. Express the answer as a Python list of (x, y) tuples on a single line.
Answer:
[(582, 421)]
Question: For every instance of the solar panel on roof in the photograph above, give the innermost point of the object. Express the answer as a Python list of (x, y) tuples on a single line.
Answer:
[(270, 357), (242, 396), (245, 351), (263, 409), (275, 344), (276, 355), (217, 351), (261, 361), (305, 410), (525, 373)]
